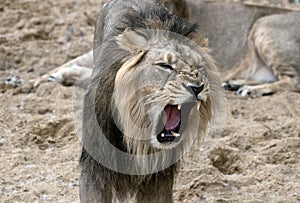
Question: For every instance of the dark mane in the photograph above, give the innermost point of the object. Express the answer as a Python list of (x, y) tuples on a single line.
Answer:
[(159, 18)]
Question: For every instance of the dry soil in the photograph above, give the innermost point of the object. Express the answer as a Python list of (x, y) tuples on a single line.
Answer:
[(255, 158)]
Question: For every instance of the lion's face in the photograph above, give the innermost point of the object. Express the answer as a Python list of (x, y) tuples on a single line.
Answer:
[(163, 92)]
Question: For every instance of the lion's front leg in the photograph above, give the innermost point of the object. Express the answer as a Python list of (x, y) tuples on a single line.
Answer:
[(158, 189), (91, 192), (92, 188)]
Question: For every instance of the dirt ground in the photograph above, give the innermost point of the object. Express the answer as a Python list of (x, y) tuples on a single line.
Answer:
[(255, 158)]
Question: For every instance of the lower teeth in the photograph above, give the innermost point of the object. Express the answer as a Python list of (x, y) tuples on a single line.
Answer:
[(175, 134)]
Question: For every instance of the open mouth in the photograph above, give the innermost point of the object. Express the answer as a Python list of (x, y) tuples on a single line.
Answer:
[(173, 121)]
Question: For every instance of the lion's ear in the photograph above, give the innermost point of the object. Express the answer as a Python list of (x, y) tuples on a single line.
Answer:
[(132, 41)]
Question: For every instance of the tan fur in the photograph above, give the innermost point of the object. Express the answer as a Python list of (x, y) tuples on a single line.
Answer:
[(75, 72), (127, 66), (272, 62)]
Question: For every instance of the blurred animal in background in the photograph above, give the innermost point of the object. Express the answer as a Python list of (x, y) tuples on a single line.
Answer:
[(75, 72), (272, 61)]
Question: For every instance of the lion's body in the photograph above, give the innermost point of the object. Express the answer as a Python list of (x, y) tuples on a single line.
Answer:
[(272, 62), (146, 61)]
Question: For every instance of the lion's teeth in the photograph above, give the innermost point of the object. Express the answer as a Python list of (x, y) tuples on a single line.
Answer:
[(198, 105), (179, 107), (175, 134), (162, 135)]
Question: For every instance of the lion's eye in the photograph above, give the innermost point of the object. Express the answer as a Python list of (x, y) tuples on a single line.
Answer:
[(164, 65)]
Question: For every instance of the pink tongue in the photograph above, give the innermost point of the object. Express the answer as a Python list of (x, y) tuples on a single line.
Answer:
[(172, 117)]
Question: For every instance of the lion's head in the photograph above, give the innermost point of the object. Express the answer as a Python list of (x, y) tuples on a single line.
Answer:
[(164, 91), (154, 91)]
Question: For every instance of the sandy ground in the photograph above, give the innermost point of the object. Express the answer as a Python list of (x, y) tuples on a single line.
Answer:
[(255, 158)]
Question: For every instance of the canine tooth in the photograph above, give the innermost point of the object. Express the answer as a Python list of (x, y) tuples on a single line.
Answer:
[(202, 97), (175, 134), (179, 107), (198, 105), (162, 135)]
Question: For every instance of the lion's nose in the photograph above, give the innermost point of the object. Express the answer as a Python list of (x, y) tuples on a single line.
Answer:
[(197, 89)]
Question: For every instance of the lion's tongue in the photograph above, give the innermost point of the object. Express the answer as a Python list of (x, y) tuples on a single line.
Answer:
[(172, 117)]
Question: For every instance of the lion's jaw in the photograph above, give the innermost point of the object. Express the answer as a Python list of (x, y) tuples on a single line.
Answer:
[(163, 72)]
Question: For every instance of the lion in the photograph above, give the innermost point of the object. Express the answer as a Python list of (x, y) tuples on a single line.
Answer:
[(272, 62), (152, 95)]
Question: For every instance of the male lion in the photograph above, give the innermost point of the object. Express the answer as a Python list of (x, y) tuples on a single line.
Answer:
[(152, 95), (272, 62)]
